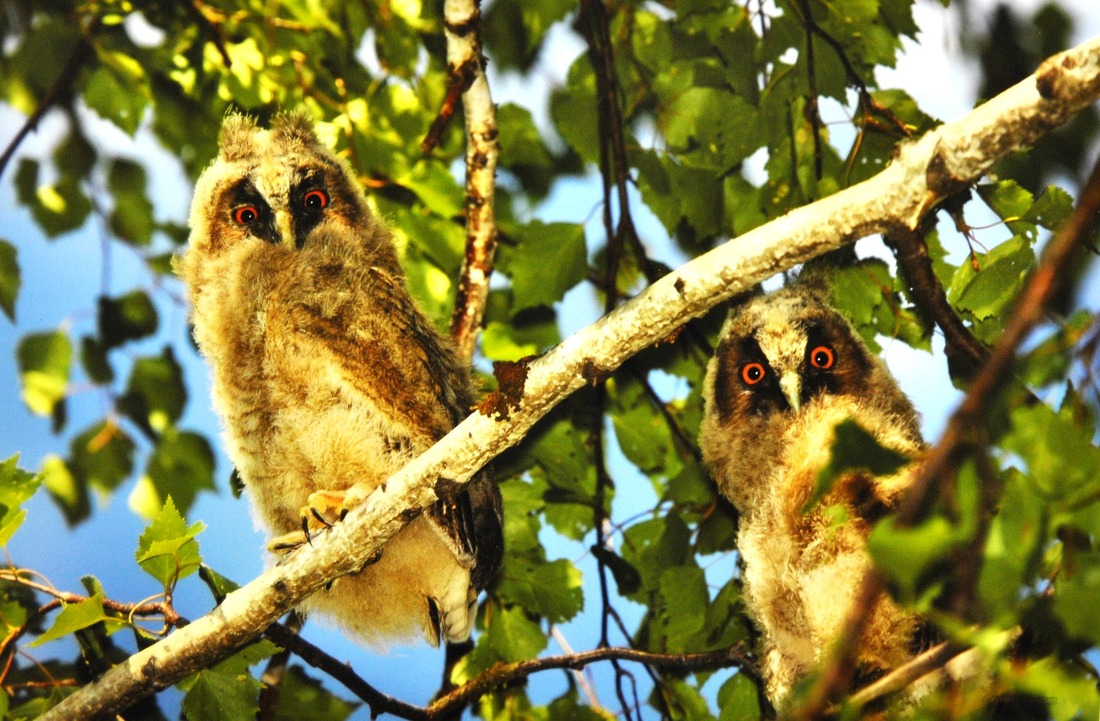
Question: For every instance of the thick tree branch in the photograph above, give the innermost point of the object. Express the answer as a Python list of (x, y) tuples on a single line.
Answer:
[(466, 66), (924, 173)]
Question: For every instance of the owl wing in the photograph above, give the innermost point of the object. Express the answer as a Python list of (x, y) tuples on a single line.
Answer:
[(392, 355)]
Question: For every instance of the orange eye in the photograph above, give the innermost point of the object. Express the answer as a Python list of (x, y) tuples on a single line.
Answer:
[(315, 199), (752, 373), (245, 215), (822, 357)]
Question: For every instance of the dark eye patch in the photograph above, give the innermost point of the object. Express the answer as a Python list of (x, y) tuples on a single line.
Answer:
[(248, 209), (745, 383)]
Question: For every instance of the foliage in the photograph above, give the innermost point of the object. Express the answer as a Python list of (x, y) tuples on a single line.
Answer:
[(725, 117)]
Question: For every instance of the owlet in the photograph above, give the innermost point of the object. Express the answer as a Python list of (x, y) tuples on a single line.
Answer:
[(788, 369), (327, 375)]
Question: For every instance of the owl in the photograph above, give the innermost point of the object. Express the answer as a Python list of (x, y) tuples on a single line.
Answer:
[(787, 370), (326, 375)]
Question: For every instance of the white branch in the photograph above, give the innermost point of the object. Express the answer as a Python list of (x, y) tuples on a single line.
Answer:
[(462, 21), (944, 160)]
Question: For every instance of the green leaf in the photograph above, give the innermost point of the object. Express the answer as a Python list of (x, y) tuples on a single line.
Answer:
[(44, 362), (114, 90), (906, 553), (627, 578), (642, 434), (549, 589), (218, 695), (93, 357), (1062, 463), (551, 259), (711, 123), (683, 592), (67, 491), (652, 547), (132, 217), (57, 208), (16, 486), (572, 109), (10, 280), (854, 449), (512, 636), (567, 707), (126, 318), (1051, 209), (680, 700), (155, 394), (303, 697), (167, 549), (1076, 590), (522, 150), (219, 585), (738, 699), (102, 456), (181, 465), (77, 616)]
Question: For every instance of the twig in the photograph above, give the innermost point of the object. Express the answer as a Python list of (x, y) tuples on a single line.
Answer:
[(965, 353), (923, 173), (503, 675), (902, 676), (342, 672)]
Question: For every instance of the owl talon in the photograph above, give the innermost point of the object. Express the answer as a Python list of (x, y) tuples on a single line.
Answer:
[(321, 519)]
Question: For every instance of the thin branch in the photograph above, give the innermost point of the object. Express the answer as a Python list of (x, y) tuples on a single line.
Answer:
[(938, 468), (504, 674), (812, 109), (466, 67), (61, 85), (922, 174), (342, 672), (904, 675), (965, 353)]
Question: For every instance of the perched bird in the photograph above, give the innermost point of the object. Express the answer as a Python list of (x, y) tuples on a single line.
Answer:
[(327, 375), (788, 369)]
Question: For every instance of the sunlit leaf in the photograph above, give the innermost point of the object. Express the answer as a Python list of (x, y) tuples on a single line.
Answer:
[(549, 261), (155, 394), (76, 616), (167, 549), (102, 456), (44, 363), (550, 589), (16, 487)]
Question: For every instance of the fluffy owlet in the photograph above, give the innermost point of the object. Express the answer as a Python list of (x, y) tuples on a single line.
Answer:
[(787, 370), (327, 375)]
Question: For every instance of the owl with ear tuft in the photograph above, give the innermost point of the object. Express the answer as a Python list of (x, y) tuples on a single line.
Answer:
[(328, 378), (787, 370)]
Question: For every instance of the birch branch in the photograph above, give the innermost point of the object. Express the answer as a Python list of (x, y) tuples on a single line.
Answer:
[(924, 173), (462, 21)]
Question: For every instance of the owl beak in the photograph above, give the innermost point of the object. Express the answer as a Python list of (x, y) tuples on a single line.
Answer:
[(284, 225), (791, 386)]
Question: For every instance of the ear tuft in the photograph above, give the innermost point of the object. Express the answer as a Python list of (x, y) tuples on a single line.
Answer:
[(293, 131), (238, 137)]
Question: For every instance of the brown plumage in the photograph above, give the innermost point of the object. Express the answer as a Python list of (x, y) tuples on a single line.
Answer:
[(787, 370), (327, 375)]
